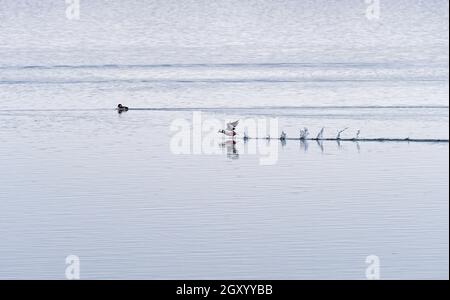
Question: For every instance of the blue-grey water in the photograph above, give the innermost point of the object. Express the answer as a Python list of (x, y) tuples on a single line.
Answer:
[(77, 178)]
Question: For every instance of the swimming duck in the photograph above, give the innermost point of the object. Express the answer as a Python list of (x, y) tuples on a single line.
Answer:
[(121, 108), (283, 136)]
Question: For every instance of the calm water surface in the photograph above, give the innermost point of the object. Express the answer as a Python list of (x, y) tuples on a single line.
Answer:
[(78, 178)]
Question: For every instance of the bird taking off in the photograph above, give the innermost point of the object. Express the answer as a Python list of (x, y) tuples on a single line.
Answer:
[(231, 127)]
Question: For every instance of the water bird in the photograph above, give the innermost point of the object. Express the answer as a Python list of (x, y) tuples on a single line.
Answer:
[(121, 108), (283, 136), (231, 127)]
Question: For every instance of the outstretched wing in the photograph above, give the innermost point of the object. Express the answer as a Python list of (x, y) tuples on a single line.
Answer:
[(232, 125)]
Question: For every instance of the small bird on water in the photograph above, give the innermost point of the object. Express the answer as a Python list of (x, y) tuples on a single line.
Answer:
[(121, 108)]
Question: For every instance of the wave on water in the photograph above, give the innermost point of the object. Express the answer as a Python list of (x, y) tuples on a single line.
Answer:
[(229, 65), (227, 73), (217, 81)]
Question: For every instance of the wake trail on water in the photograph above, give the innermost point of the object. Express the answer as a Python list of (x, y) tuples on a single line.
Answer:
[(218, 109)]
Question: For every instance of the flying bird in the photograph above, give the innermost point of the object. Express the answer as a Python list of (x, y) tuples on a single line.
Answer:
[(231, 127)]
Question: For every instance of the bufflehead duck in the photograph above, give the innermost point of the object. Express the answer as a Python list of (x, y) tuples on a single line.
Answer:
[(121, 108), (231, 133), (230, 129)]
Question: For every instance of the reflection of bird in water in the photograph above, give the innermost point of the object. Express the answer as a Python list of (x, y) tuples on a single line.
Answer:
[(304, 145), (230, 146), (230, 131), (320, 143)]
